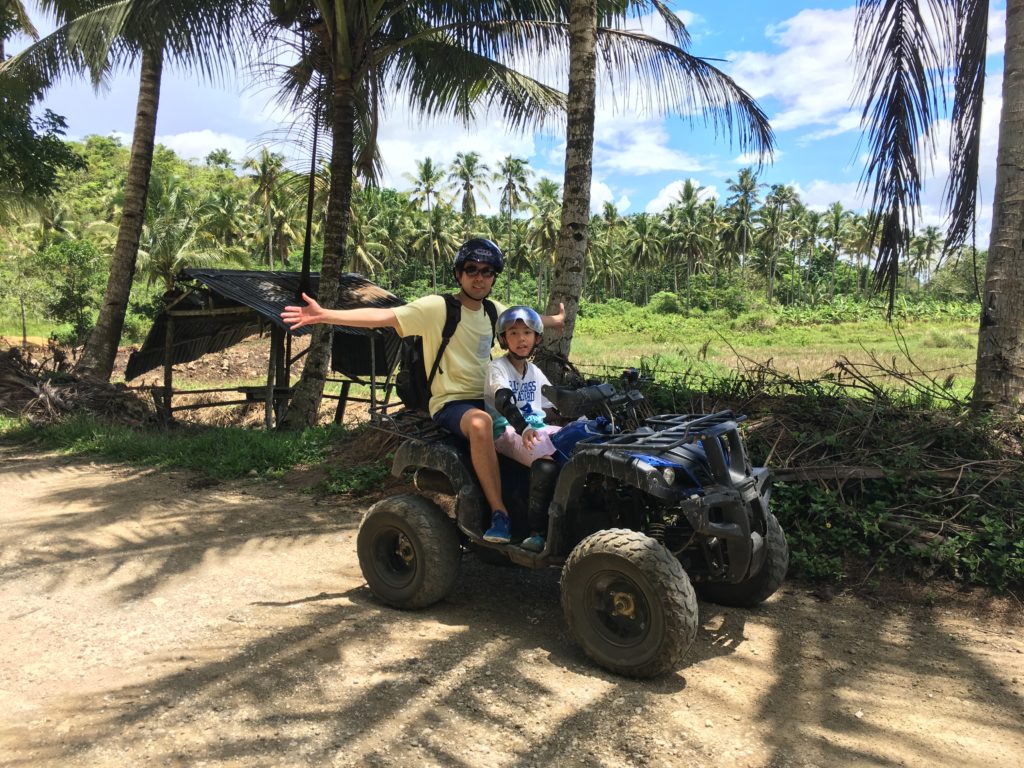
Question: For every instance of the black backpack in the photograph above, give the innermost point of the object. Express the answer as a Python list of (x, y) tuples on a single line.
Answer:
[(412, 382)]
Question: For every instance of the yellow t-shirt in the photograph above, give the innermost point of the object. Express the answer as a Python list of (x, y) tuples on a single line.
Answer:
[(464, 364)]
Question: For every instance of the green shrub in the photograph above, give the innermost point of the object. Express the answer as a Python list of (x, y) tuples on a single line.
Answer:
[(665, 303)]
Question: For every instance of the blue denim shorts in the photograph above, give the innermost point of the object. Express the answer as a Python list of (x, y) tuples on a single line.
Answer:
[(451, 414)]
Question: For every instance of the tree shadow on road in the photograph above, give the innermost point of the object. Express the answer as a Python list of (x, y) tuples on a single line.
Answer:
[(140, 528)]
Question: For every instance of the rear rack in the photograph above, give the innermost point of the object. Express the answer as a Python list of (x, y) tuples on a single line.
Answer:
[(413, 425)]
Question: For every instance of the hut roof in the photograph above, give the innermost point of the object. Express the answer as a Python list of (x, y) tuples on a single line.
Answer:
[(216, 308)]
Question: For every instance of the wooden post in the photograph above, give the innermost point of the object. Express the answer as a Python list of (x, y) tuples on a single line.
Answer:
[(339, 414), (268, 412), (277, 341), (167, 414)]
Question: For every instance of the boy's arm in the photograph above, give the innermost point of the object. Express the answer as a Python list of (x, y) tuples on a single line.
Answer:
[(363, 317)]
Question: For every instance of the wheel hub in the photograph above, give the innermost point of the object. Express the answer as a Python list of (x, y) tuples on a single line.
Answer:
[(623, 604), (404, 549)]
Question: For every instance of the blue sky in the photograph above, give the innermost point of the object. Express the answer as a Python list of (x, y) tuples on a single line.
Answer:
[(794, 57)]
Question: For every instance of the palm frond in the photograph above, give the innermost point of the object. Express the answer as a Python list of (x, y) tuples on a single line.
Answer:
[(961, 193), (672, 80), (97, 37), (470, 85), (90, 44), (900, 77)]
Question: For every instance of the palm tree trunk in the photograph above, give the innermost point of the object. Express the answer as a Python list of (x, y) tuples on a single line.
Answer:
[(270, 238), (97, 360), (433, 256), (571, 252), (305, 406), (999, 378)]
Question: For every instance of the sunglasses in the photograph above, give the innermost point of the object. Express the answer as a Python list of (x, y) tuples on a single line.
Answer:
[(474, 271)]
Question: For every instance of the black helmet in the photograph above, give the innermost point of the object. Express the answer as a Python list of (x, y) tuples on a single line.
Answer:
[(480, 249), (530, 318)]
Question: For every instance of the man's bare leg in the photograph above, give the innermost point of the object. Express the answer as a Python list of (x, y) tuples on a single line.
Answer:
[(478, 428)]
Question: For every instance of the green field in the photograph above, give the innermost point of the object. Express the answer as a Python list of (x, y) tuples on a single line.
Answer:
[(673, 344)]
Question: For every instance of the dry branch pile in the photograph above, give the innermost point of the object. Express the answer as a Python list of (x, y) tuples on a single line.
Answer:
[(43, 394)]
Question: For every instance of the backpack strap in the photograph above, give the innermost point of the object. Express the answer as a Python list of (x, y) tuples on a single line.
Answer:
[(453, 314), (492, 314)]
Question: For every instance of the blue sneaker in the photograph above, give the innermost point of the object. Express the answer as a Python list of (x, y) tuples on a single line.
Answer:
[(500, 531), (534, 543)]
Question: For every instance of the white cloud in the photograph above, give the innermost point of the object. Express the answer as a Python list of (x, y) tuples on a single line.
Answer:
[(996, 33), (600, 193), (196, 145), (629, 145), (819, 194), (812, 78), (752, 158), (670, 193)]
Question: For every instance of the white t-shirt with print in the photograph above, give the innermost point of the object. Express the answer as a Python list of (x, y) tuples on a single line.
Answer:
[(526, 390)]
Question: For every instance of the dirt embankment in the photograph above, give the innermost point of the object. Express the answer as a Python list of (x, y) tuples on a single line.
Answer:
[(148, 621)]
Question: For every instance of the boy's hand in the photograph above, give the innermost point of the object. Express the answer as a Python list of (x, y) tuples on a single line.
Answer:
[(530, 438), (296, 317)]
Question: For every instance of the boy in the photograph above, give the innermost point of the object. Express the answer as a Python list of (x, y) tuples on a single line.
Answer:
[(515, 401)]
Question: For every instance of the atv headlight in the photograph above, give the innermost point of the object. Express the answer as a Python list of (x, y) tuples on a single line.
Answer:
[(669, 475)]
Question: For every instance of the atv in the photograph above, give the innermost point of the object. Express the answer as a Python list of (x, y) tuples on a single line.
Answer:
[(646, 512)]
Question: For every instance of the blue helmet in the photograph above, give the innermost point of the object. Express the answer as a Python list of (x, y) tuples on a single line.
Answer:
[(508, 318), (480, 249)]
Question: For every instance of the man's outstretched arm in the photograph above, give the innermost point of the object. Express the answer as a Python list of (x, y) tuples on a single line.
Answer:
[(363, 317), (555, 322)]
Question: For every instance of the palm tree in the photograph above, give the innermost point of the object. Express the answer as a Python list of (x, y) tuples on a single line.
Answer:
[(862, 236), (930, 240), (741, 204), (14, 19), (689, 232), (172, 239), (773, 231), (393, 216), (425, 191), (644, 248), (98, 36), (443, 55), (227, 216), (672, 78), (811, 227), (469, 174), (365, 249), (905, 50), (268, 173), (544, 226), (437, 236), (835, 231), (514, 174)]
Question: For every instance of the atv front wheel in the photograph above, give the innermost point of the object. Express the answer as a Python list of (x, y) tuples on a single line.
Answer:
[(408, 551), (629, 603), (755, 589)]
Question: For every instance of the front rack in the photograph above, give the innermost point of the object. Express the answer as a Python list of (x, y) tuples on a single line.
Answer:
[(671, 431)]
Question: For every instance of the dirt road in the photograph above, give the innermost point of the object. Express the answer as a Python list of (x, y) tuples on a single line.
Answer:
[(147, 621)]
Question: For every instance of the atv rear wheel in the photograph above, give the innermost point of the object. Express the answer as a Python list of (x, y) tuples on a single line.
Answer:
[(754, 590), (629, 603), (408, 551)]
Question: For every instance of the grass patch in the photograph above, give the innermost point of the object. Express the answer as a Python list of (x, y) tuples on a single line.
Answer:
[(223, 453), (356, 481)]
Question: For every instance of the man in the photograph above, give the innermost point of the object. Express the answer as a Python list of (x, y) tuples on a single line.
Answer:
[(456, 401)]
